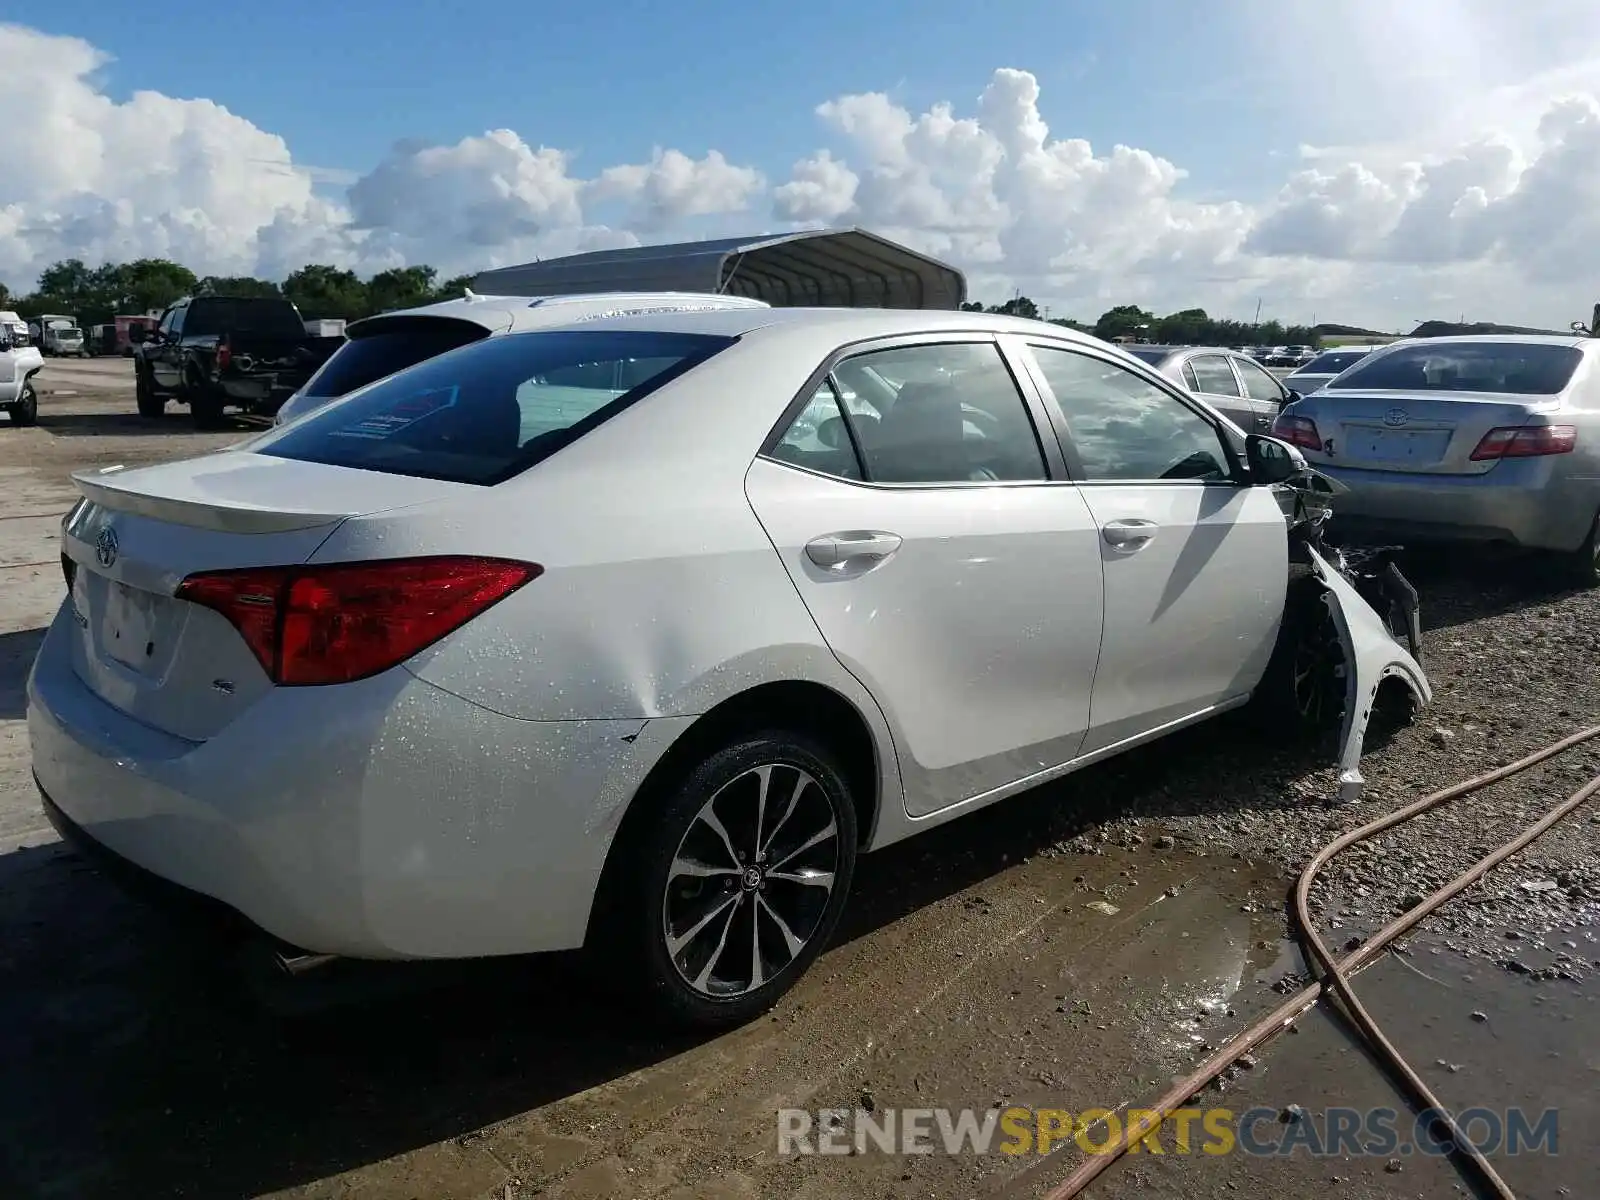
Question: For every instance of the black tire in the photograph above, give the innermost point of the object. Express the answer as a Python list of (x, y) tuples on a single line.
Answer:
[(25, 409), (151, 404), (644, 900), (1580, 568), (205, 405), (1302, 693)]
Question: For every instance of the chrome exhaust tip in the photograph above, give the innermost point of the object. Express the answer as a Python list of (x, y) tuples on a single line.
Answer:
[(295, 965)]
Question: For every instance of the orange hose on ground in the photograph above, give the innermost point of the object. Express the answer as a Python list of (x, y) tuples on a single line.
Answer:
[(1339, 970)]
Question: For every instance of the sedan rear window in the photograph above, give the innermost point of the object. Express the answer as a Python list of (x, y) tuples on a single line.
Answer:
[(489, 410), (1150, 356), (397, 344), (1513, 368)]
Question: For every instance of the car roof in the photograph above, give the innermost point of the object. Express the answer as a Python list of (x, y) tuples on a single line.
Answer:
[(1172, 350), (1470, 339), (510, 313), (846, 323)]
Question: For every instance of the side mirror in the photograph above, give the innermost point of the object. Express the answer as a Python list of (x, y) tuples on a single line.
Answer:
[(1271, 460)]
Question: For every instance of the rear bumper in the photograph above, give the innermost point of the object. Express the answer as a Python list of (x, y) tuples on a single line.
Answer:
[(1517, 503), (384, 819), (136, 881)]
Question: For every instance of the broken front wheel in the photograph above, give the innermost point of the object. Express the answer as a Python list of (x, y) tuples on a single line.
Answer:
[(1302, 694)]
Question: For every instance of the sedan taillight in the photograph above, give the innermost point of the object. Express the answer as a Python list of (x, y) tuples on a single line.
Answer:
[(1297, 431), (346, 621), (1525, 441)]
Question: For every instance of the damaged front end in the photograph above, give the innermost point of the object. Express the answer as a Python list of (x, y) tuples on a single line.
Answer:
[(1370, 609)]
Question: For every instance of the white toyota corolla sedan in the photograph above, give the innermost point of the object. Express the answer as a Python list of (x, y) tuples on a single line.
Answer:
[(633, 634)]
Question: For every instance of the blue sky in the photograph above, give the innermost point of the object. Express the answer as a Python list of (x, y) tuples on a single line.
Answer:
[(613, 78), (1361, 158)]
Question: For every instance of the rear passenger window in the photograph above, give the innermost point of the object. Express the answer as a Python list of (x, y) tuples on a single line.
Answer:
[(818, 439), (1215, 376), (943, 413)]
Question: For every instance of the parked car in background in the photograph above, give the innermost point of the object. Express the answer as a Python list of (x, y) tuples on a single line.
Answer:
[(389, 342), (632, 634), (20, 361), (1234, 384), (1476, 439), (1324, 367), (213, 352)]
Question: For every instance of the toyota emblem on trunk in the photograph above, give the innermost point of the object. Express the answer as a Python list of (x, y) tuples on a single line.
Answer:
[(1396, 417), (105, 547)]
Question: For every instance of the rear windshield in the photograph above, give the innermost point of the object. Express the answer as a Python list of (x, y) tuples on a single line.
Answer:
[(1149, 356), (1333, 362), (1514, 368), (243, 314), (391, 348), (489, 410)]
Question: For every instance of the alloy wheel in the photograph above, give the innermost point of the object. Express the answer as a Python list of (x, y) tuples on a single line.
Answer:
[(1318, 671), (749, 884)]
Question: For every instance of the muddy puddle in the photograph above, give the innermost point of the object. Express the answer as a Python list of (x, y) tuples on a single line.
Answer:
[(1490, 1042)]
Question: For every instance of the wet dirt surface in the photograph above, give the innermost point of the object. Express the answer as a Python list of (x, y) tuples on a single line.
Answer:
[(1533, 1051), (1076, 947)]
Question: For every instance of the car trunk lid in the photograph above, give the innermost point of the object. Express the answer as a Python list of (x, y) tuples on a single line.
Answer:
[(174, 665), (1425, 433)]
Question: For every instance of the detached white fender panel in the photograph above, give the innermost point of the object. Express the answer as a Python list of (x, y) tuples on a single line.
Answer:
[(1372, 655)]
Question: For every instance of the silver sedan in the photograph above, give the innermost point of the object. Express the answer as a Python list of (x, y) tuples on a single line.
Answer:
[(1484, 439), (1237, 386), (634, 634)]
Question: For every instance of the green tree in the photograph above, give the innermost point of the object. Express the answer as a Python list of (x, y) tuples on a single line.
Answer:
[(400, 287), (454, 288), (1125, 320), (1017, 306), (1184, 328), (145, 285), (238, 285), (321, 291)]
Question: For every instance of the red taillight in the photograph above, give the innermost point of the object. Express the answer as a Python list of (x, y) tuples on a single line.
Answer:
[(224, 355), (1526, 441), (342, 622), (1297, 431)]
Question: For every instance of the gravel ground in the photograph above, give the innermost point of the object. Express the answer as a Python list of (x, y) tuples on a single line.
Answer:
[(1514, 666)]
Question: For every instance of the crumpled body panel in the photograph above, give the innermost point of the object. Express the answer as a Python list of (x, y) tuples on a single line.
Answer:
[(1371, 655)]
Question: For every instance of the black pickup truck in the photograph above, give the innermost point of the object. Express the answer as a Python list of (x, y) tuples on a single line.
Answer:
[(213, 352)]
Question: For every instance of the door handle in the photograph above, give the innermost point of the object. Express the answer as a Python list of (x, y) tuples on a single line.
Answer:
[(1130, 535), (837, 549)]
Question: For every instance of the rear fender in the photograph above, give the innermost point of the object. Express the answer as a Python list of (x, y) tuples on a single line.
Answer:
[(1372, 655)]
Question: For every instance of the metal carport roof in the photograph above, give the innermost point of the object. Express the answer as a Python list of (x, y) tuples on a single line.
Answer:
[(848, 268)]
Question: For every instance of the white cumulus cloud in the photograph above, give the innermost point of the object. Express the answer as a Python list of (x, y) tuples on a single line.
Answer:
[(1496, 214)]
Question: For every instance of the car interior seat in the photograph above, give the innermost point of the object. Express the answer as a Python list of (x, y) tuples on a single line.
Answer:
[(920, 439)]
